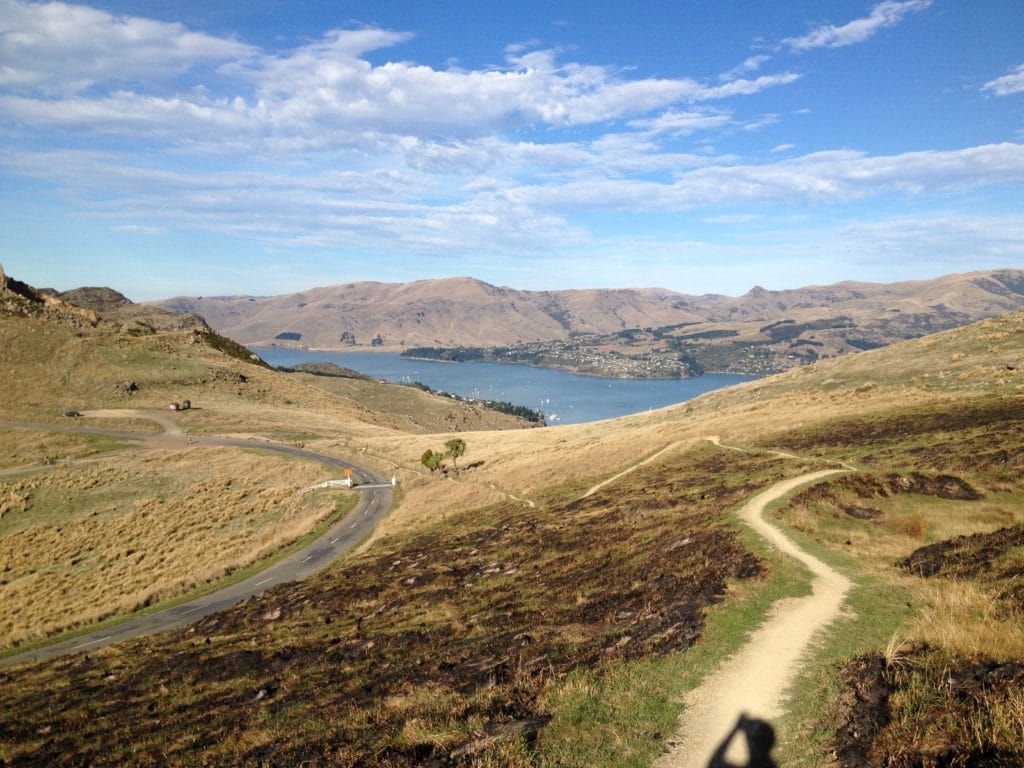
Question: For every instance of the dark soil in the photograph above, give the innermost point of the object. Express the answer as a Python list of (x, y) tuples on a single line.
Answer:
[(920, 711), (99, 300), (942, 486), (427, 650), (329, 369), (967, 557), (863, 709), (866, 487), (991, 418)]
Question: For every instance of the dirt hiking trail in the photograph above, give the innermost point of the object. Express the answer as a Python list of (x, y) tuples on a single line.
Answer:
[(754, 680), (657, 454)]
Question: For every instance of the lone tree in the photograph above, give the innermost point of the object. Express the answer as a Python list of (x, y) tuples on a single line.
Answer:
[(431, 460), (455, 448)]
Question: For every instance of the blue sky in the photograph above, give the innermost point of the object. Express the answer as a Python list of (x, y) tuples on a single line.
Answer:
[(167, 148)]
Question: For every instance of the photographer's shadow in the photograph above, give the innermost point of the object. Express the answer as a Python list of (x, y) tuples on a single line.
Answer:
[(760, 738)]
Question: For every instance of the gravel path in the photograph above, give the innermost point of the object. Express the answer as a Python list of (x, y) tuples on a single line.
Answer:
[(755, 679)]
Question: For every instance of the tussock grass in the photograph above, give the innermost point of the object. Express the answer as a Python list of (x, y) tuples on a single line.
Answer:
[(969, 618), (20, 448), (874, 519), (81, 543)]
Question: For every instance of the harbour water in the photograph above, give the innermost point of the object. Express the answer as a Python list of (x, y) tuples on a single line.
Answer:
[(563, 397)]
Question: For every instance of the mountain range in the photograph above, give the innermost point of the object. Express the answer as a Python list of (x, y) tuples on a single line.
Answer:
[(647, 332), (466, 312)]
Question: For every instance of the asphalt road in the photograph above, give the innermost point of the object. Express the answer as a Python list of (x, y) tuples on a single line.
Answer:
[(375, 500)]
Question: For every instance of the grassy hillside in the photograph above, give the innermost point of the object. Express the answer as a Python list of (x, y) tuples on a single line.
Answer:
[(521, 613), (119, 533), (123, 528), (54, 363)]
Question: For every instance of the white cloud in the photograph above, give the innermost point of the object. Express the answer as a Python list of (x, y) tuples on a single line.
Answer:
[(835, 176), (761, 122), (519, 197), (682, 123), (750, 64), (79, 69), (915, 247), (732, 218), (1007, 84), (320, 146), (905, 247), (884, 14), (130, 113), (61, 48), (139, 229), (746, 87)]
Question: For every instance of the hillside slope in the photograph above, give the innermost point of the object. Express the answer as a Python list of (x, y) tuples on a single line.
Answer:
[(129, 516), (466, 312), (58, 356), (551, 605)]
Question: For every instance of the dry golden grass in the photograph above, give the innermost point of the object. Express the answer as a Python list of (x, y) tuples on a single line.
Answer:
[(968, 618), (411, 409), (80, 543), (428, 501), (50, 368), (27, 448)]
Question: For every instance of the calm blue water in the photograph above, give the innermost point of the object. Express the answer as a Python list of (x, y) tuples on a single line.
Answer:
[(563, 398)]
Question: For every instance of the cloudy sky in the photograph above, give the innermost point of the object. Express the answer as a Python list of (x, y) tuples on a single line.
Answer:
[(266, 146)]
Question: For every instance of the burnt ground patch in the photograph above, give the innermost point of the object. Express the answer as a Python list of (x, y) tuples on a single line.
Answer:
[(428, 649), (991, 418), (927, 708), (980, 555), (852, 494)]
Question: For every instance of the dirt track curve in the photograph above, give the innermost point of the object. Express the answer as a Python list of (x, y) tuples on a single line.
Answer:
[(755, 679), (375, 500)]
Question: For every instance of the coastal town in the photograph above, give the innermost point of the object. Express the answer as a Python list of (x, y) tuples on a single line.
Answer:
[(616, 358)]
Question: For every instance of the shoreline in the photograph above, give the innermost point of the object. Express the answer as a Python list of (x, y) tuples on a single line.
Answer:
[(563, 368)]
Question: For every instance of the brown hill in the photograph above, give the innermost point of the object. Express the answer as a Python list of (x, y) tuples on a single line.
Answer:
[(468, 312), (449, 312), (115, 307), (112, 353)]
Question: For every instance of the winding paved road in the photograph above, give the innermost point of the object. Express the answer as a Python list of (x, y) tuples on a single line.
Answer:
[(375, 501)]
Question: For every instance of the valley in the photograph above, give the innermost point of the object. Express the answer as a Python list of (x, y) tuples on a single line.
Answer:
[(511, 385), (642, 333), (554, 599)]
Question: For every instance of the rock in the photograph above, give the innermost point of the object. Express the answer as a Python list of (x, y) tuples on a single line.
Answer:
[(269, 688), (272, 615)]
